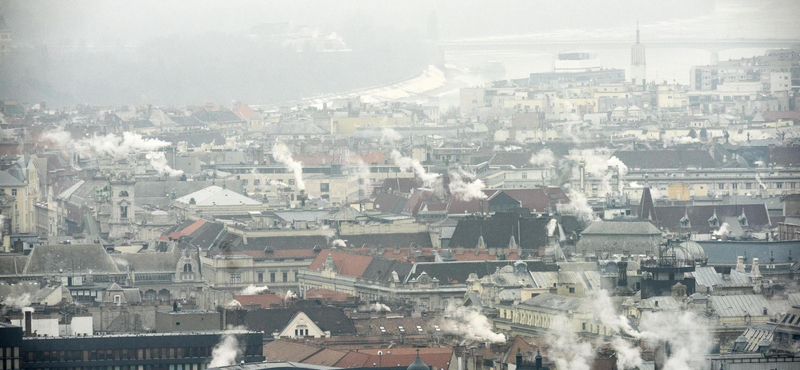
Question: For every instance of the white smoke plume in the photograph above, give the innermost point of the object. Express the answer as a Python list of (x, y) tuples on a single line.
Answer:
[(227, 350), (99, 145), (17, 301), (622, 170), (761, 184), (339, 243), (282, 154), (472, 324), (580, 206), (686, 334), (289, 296), (253, 289), (466, 190), (723, 230), (328, 233), (159, 162), (543, 158), (406, 163), (361, 171), (380, 307), (233, 304), (389, 136), (672, 141), (509, 148), (567, 350), (551, 226)]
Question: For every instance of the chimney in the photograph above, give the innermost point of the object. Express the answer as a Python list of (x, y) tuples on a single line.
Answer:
[(622, 273), (28, 321), (583, 176), (538, 363), (519, 358)]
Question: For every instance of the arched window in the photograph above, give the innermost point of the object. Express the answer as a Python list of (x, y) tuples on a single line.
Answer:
[(123, 194), (187, 267)]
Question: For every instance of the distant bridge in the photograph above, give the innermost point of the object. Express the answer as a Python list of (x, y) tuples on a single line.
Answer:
[(557, 46)]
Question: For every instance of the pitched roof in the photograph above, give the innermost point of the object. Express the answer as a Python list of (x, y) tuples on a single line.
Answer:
[(217, 196), (260, 300), (497, 231), (346, 263), (726, 252), (149, 262), (653, 159), (538, 199), (420, 239), (7, 180), (669, 217), (273, 320), (68, 258), (389, 203), (752, 304), (458, 272), (621, 227)]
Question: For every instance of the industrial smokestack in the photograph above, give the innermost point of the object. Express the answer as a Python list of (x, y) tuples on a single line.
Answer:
[(28, 321), (583, 176)]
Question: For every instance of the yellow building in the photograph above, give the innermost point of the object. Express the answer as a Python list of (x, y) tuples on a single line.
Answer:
[(678, 191)]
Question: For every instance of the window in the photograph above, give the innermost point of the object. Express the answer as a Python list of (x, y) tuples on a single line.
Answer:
[(291, 181), (271, 277), (778, 185), (401, 328), (123, 212), (524, 175), (721, 186), (2, 191), (256, 182), (383, 330), (285, 276), (244, 182), (14, 192), (748, 185), (117, 299), (260, 277), (324, 187), (571, 290), (735, 186), (123, 194), (236, 278), (187, 267)]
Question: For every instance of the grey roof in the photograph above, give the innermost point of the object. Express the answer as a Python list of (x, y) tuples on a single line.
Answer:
[(757, 334), (549, 279), (67, 258), (753, 304), (726, 252), (12, 264), (6, 179), (708, 276), (149, 262), (559, 303), (621, 228)]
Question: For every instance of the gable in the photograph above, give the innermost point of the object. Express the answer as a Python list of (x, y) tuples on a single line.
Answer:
[(301, 321)]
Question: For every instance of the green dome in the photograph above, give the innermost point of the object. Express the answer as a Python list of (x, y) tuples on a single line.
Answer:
[(418, 364)]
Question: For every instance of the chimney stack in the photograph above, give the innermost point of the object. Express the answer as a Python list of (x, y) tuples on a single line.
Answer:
[(622, 273), (28, 321)]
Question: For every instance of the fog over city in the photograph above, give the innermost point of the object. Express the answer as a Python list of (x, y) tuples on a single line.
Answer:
[(418, 185)]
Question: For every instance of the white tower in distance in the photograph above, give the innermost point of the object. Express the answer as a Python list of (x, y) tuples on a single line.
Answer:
[(638, 65)]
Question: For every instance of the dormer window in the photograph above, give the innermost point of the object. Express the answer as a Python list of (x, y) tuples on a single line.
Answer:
[(713, 221), (685, 223), (123, 194), (743, 219)]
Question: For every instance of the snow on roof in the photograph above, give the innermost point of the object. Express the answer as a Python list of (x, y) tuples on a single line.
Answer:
[(215, 195)]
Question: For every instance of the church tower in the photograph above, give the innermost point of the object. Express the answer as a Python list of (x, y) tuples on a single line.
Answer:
[(123, 200), (638, 64)]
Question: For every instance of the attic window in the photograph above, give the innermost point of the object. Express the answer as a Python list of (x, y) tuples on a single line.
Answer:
[(383, 330), (401, 328), (437, 328), (743, 219), (685, 222), (419, 328), (713, 221)]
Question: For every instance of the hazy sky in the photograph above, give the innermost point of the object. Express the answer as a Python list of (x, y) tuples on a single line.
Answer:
[(66, 21)]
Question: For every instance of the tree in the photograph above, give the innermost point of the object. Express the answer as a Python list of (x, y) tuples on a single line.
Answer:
[(693, 134)]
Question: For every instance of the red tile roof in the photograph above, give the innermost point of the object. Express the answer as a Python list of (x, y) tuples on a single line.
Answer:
[(189, 230), (261, 300), (327, 294), (346, 263)]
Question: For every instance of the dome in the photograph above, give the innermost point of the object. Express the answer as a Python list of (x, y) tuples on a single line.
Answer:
[(694, 249), (680, 254), (418, 364)]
